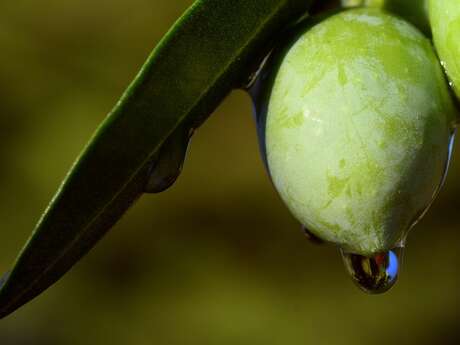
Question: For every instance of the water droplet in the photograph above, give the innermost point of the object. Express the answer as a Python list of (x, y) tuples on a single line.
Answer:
[(259, 96), (449, 156), (167, 166), (311, 237), (450, 151), (4, 278), (254, 76), (375, 274)]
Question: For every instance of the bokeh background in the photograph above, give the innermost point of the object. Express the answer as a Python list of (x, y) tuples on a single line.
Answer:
[(217, 259)]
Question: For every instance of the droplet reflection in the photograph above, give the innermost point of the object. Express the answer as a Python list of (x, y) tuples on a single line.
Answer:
[(375, 274)]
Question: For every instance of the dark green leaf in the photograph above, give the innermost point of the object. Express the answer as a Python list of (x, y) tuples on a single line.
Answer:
[(207, 53)]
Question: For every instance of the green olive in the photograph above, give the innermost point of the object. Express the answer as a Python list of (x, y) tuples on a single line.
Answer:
[(357, 124), (415, 11), (445, 22)]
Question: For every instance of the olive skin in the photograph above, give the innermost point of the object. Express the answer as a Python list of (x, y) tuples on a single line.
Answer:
[(414, 11), (355, 120), (445, 22)]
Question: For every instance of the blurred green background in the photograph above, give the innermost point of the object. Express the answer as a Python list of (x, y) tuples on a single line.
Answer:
[(217, 259)]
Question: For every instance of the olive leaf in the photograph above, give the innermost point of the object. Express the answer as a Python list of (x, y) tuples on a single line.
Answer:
[(208, 52)]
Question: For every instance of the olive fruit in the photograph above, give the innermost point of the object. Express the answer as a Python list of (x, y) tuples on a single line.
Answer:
[(445, 22), (356, 120)]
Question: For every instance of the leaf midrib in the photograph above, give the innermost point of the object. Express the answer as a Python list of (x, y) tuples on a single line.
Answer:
[(136, 171)]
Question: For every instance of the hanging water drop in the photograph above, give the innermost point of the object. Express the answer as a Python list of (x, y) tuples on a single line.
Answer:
[(374, 274), (167, 166), (442, 182), (451, 140)]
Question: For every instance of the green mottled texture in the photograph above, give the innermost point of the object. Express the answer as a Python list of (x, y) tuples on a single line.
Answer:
[(204, 56), (445, 22), (415, 11), (357, 129)]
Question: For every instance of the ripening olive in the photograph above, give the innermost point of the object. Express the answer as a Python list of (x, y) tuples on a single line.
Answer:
[(356, 121), (445, 22)]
